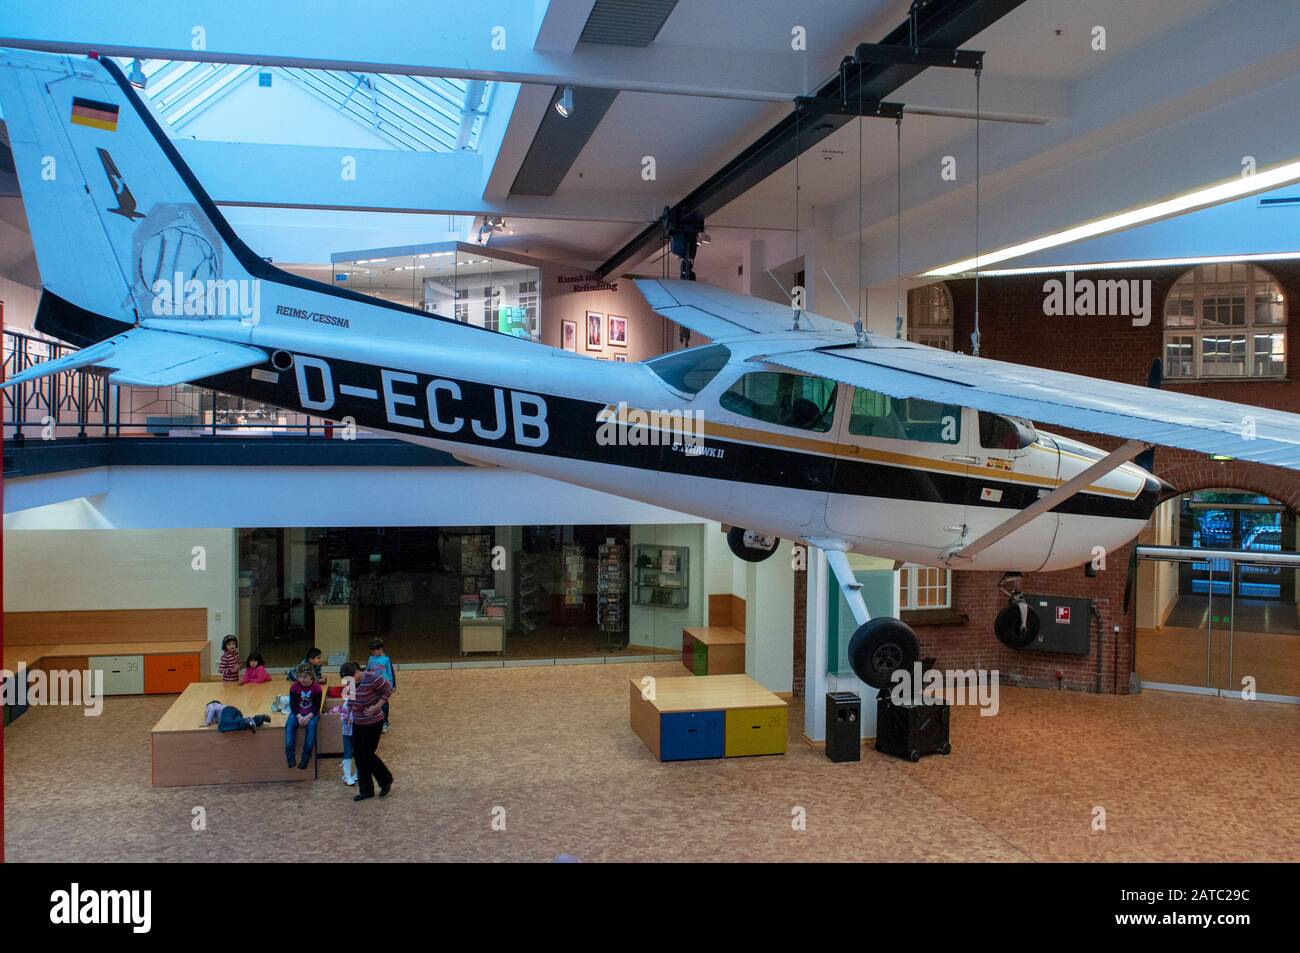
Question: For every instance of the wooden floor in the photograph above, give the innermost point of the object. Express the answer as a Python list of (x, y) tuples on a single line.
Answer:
[(1179, 777), (1178, 656)]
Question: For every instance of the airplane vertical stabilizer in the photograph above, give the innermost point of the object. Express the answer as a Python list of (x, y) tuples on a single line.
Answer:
[(117, 220)]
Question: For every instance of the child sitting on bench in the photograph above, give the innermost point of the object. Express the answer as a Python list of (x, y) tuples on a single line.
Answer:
[(254, 672), (305, 697)]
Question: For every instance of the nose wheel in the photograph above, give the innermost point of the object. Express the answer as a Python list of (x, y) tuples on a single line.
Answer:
[(1017, 625)]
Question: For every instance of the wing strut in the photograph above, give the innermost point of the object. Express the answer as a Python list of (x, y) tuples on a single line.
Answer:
[(835, 550), (1116, 458)]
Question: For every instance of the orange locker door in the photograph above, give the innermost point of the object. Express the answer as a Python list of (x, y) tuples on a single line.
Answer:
[(169, 674)]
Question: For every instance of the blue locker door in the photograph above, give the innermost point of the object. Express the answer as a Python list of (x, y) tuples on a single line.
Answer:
[(692, 734)]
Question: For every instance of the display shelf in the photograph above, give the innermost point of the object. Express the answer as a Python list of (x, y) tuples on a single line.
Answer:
[(611, 594), (662, 576)]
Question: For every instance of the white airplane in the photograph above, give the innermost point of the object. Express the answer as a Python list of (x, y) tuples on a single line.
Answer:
[(786, 424)]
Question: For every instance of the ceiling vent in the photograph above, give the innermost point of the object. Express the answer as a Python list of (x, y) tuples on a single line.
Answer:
[(626, 22)]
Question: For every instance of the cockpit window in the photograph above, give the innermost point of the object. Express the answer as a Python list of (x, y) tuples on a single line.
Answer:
[(788, 400), (1005, 433), (691, 370)]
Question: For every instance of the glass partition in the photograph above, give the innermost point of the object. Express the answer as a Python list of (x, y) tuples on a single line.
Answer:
[(453, 280), (464, 594)]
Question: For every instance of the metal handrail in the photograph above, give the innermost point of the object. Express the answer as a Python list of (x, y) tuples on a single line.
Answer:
[(83, 402), (1228, 555)]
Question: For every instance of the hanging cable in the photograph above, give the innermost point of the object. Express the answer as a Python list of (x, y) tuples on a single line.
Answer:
[(860, 325), (796, 290), (898, 229), (975, 335)]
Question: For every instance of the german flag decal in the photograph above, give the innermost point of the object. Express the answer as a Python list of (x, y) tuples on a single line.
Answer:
[(97, 115)]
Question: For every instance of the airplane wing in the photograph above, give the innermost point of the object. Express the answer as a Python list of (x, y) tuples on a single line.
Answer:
[(145, 357), (904, 369), (721, 315), (1167, 418)]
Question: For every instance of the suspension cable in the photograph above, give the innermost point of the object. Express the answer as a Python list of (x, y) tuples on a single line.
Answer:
[(898, 229), (975, 335)]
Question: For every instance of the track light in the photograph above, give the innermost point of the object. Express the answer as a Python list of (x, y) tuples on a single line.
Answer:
[(564, 105), (705, 238), (136, 76)]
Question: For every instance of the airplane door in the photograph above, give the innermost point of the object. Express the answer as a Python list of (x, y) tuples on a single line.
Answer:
[(901, 475), (1010, 467)]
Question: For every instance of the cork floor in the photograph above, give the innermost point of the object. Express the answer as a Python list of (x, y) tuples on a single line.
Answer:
[(549, 750)]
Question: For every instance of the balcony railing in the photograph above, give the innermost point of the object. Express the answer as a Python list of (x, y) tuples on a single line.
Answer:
[(82, 403)]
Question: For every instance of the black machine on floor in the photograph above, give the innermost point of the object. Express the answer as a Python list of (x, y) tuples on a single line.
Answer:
[(911, 730)]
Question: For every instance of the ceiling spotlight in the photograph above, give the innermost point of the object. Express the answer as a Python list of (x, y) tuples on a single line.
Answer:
[(136, 76), (564, 105), (705, 238)]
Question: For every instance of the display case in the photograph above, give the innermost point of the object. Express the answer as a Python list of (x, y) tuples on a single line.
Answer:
[(488, 288), (662, 576)]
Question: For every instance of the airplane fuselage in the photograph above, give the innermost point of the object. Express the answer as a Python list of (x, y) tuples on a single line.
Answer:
[(621, 428)]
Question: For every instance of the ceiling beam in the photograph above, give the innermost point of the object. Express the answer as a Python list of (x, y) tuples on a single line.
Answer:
[(450, 40), (946, 24)]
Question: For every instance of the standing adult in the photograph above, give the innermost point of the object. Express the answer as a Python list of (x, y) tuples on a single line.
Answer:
[(372, 692)]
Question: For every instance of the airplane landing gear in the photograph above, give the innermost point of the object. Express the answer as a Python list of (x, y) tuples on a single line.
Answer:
[(880, 648), (1016, 626), (751, 546)]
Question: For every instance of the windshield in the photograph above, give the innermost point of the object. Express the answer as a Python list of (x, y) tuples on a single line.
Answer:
[(691, 370)]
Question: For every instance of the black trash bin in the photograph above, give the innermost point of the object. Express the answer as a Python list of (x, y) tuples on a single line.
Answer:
[(843, 726)]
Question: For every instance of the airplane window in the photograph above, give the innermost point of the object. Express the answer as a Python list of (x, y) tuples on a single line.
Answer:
[(877, 415), (788, 400), (1005, 433), (691, 370)]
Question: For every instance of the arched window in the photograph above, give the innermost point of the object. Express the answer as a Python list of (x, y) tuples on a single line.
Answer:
[(929, 316), (1225, 320)]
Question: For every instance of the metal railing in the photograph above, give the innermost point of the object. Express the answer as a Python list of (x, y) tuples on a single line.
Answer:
[(82, 403)]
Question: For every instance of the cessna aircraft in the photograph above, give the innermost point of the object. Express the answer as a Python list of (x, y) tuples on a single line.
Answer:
[(785, 424)]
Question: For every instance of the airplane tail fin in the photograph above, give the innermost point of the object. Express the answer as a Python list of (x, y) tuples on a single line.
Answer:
[(120, 226)]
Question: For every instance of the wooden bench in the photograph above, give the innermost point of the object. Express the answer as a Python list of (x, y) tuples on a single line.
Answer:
[(710, 716), (719, 647), (187, 753), (140, 651)]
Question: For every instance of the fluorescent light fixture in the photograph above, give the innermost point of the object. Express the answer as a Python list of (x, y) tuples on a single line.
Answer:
[(564, 105), (1139, 263), (1234, 188)]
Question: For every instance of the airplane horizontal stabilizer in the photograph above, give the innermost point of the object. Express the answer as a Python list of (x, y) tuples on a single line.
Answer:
[(144, 357)]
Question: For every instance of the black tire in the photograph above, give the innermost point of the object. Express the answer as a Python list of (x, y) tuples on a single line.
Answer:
[(1007, 627), (880, 648), (946, 749), (914, 756), (750, 554)]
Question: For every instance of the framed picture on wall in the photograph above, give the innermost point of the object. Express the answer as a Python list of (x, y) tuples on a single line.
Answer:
[(621, 358), (569, 335), (617, 331), (595, 331)]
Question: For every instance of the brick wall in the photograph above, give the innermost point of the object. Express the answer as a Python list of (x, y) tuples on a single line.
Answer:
[(1014, 328)]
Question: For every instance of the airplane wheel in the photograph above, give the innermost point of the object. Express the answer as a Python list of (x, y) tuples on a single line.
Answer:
[(751, 546), (1007, 627), (880, 648)]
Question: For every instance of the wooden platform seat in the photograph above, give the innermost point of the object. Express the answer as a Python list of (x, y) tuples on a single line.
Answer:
[(139, 651), (711, 716), (186, 753), (719, 647)]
